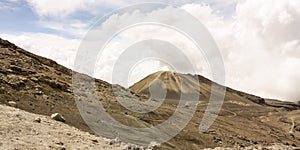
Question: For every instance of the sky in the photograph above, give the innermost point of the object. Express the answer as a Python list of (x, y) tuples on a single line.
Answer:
[(259, 40)]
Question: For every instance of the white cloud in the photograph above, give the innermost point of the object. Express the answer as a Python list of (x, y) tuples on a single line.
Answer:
[(62, 16), (260, 48), (71, 27), (61, 9), (8, 5), (131, 36), (13, 1), (50, 8), (266, 42), (55, 7), (260, 45)]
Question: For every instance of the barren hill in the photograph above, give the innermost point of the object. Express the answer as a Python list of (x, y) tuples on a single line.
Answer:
[(42, 86)]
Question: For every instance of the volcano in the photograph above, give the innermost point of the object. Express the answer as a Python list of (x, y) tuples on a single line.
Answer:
[(174, 84)]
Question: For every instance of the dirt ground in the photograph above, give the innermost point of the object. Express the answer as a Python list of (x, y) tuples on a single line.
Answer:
[(20, 131)]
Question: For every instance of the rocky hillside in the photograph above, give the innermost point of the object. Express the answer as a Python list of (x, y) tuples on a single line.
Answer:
[(41, 86)]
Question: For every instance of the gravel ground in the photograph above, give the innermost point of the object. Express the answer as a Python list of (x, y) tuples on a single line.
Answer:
[(21, 130), (274, 146)]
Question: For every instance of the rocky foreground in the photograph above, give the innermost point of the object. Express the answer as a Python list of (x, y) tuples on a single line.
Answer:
[(23, 130), (274, 146)]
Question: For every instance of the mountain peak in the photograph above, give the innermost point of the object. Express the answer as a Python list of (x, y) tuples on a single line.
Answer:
[(174, 83)]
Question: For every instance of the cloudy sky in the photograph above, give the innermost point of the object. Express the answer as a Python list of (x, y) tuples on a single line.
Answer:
[(258, 40)]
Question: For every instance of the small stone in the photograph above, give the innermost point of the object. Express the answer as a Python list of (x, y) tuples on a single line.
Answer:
[(39, 93), (12, 104), (95, 141), (115, 142), (38, 120), (58, 117), (60, 143), (2, 90), (34, 79), (217, 139), (153, 145), (132, 147)]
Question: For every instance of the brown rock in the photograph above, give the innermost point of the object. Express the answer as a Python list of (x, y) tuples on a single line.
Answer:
[(38, 120)]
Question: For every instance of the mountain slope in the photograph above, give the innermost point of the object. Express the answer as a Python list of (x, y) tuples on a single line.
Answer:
[(245, 119), (42, 86), (36, 84)]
